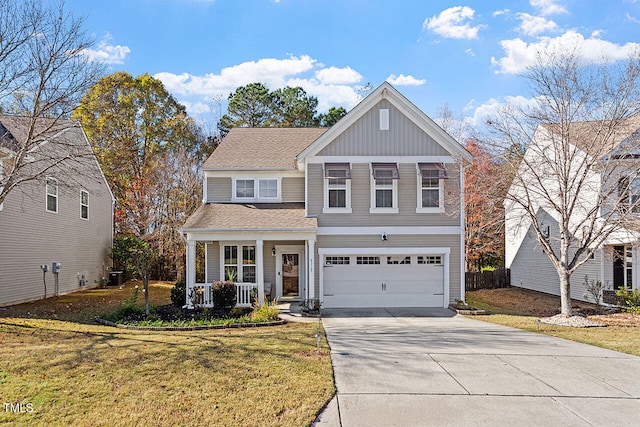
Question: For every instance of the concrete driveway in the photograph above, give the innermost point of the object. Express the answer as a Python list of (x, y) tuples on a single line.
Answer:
[(424, 367)]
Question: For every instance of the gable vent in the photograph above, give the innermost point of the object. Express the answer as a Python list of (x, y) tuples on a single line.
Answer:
[(384, 119)]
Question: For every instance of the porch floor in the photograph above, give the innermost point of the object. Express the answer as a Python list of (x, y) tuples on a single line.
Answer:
[(290, 311)]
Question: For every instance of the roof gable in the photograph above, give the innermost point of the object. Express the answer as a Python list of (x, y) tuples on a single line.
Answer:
[(261, 148), (388, 96)]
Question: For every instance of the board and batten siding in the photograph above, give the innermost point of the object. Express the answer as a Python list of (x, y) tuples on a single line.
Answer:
[(361, 199), (30, 236), (364, 137), (398, 241)]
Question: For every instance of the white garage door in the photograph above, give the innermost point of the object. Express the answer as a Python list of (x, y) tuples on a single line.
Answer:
[(383, 281)]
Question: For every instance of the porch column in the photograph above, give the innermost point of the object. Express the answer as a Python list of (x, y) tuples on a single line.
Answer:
[(191, 268), (260, 270), (311, 273)]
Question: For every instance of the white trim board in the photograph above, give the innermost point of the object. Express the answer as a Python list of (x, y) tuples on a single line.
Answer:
[(402, 230)]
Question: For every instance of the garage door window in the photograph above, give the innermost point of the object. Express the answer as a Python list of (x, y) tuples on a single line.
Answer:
[(364, 260), (337, 260), (430, 259), (398, 260)]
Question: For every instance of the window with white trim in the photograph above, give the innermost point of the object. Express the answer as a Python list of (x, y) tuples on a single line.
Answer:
[(52, 195), (84, 204), (268, 188), (337, 187), (384, 187), (239, 269), (245, 189), (255, 189), (337, 260), (430, 183), (629, 194)]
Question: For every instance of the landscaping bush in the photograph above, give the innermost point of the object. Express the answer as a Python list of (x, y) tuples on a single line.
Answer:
[(631, 299), (223, 294), (179, 293), (266, 312)]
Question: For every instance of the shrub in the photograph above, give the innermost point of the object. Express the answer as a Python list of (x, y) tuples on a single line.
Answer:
[(129, 309), (223, 294), (631, 299), (266, 312), (179, 293)]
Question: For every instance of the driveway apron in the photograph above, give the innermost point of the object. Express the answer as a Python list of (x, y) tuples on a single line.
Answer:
[(431, 367)]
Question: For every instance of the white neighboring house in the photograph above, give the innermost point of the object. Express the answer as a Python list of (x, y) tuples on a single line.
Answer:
[(63, 216), (367, 213), (616, 259)]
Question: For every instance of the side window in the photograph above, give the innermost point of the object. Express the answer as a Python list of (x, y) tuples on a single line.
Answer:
[(52, 195), (337, 187), (431, 177), (84, 205), (384, 187)]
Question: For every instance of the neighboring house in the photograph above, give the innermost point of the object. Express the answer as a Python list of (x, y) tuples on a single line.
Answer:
[(63, 215), (614, 184), (367, 213)]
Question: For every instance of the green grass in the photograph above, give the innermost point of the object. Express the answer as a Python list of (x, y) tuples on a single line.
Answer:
[(521, 309), (74, 372)]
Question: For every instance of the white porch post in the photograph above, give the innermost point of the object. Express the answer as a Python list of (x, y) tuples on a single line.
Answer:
[(310, 270), (191, 268), (260, 270)]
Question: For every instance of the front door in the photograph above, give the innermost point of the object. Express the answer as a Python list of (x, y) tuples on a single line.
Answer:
[(290, 271), (290, 275)]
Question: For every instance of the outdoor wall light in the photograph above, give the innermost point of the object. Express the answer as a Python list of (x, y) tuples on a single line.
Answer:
[(273, 251)]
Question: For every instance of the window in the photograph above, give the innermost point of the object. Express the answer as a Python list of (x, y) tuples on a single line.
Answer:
[(255, 189), (244, 189), (337, 260), (384, 119), (366, 260), (430, 179), (384, 188), (52, 195), (268, 188), (398, 260), (84, 205), (240, 269), (430, 259), (629, 195), (337, 183)]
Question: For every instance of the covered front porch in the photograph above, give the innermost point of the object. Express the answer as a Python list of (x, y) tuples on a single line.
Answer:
[(267, 251)]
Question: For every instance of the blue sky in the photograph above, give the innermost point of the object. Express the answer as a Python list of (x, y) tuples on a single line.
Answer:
[(464, 54)]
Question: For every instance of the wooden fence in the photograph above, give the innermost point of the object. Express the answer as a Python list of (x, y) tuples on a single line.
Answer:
[(500, 278)]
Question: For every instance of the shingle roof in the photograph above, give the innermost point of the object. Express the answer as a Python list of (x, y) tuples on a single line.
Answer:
[(589, 136), (261, 148), (259, 216), (14, 130)]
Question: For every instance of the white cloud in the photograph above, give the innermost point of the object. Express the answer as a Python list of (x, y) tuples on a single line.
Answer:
[(335, 75), (470, 52), (403, 80), (107, 53), (519, 54), (548, 7), (501, 12), (453, 23), (332, 86), (534, 25)]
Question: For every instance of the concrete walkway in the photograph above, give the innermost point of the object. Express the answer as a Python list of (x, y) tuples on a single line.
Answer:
[(431, 367)]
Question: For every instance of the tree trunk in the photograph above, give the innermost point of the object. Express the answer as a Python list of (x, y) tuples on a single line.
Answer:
[(565, 294)]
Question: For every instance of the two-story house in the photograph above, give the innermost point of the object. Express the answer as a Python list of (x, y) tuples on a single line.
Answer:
[(367, 213), (604, 182), (56, 224)]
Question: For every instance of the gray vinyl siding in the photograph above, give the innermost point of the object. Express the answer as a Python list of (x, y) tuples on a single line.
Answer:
[(361, 199), (364, 138), (218, 189), (293, 189), (30, 236), (532, 269), (398, 241)]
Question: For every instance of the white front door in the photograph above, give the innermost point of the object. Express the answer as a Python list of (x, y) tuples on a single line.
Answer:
[(290, 262)]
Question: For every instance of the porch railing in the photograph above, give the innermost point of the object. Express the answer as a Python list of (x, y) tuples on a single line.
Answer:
[(201, 295)]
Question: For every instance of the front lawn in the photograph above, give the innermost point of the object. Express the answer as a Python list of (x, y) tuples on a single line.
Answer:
[(521, 308), (73, 372)]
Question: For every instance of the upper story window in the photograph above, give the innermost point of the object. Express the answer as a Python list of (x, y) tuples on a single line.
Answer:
[(52, 195), (84, 205), (337, 187), (384, 187), (255, 189), (629, 194), (430, 187)]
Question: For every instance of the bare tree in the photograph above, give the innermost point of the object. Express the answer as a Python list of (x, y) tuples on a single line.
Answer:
[(44, 70), (572, 186)]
